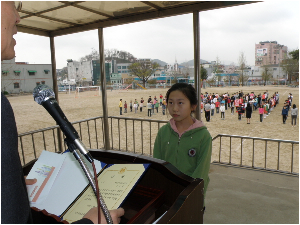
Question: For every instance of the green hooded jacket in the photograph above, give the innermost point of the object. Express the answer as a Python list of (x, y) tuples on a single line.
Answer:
[(190, 153)]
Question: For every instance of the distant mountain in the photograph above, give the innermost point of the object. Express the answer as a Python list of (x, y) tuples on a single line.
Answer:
[(191, 62), (161, 63)]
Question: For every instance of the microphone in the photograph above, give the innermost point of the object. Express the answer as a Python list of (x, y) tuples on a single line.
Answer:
[(45, 96)]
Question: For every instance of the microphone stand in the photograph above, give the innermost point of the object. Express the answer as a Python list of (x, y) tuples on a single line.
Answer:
[(89, 176)]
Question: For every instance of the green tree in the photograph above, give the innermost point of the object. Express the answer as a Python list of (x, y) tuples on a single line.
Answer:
[(203, 72), (291, 65), (143, 70), (295, 54)]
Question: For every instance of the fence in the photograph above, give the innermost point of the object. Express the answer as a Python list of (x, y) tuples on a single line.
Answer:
[(138, 136), (257, 153), (126, 134)]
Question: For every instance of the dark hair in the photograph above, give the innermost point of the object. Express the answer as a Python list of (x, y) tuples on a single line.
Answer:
[(294, 106), (187, 89)]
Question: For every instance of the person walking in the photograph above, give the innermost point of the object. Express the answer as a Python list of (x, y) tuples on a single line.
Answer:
[(294, 114)]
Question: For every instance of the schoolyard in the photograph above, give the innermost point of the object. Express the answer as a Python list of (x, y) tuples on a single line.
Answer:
[(31, 116)]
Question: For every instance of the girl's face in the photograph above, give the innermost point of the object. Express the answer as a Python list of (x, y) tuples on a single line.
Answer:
[(179, 106)]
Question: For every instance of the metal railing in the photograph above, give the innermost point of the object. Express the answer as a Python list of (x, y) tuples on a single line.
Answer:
[(126, 134), (257, 153), (138, 136)]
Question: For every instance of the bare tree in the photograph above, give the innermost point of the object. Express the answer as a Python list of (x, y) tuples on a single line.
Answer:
[(186, 70), (266, 74), (218, 69), (94, 55), (242, 65)]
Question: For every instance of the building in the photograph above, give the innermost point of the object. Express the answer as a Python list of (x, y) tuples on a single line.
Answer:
[(109, 68), (18, 77), (269, 53), (82, 72)]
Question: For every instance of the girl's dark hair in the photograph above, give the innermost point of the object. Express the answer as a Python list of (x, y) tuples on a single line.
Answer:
[(187, 89), (294, 106)]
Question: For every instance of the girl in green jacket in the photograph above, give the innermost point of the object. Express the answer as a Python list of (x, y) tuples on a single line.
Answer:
[(184, 142)]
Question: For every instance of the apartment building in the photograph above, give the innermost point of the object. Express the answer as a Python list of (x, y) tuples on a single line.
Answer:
[(269, 53)]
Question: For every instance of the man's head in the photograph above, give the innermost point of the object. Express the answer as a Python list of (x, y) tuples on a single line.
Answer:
[(9, 19)]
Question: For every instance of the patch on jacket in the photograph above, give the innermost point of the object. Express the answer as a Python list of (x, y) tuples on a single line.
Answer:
[(192, 152)]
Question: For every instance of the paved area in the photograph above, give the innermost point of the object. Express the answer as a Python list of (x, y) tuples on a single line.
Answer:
[(237, 195)]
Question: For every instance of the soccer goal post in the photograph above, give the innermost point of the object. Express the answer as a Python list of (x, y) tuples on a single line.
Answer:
[(87, 91)]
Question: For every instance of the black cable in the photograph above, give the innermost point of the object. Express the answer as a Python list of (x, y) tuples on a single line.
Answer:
[(97, 195)]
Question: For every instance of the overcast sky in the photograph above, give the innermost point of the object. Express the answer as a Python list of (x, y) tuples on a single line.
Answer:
[(224, 33)]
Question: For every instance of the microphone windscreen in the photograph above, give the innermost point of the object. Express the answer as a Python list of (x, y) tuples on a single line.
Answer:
[(41, 93)]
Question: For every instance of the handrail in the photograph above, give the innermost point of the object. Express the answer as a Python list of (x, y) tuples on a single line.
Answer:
[(218, 157), (137, 135)]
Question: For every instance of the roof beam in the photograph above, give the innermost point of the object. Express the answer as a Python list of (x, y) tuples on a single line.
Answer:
[(154, 14)]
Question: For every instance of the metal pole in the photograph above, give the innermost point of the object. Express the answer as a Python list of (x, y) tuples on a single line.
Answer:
[(197, 78), (55, 89), (103, 88)]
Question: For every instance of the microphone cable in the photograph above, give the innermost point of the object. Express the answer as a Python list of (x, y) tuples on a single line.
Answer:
[(97, 191)]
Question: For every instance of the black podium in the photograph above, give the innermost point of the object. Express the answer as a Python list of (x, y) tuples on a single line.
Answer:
[(163, 195)]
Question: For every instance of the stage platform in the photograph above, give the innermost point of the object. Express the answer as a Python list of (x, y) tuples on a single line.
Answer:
[(238, 196)]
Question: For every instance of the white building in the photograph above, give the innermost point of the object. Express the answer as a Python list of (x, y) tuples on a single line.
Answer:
[(19, 77), (82, 72)]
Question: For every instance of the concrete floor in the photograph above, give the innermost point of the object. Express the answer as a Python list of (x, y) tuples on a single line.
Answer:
[(237, 195)]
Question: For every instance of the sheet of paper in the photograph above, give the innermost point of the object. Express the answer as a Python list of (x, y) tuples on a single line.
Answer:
[(115, 183), (69, 183), (45, 171)]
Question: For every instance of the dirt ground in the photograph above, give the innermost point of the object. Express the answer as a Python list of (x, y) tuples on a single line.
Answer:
[(31, 116)]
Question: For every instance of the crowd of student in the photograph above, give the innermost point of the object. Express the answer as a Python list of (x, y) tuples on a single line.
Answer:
[(244, 105), (152, 105)]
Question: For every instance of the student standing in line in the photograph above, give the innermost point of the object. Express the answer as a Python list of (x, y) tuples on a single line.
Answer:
[(149, 107), (207, 111), (156, 106), (184, 141), (261, 113), (294, 114), (212, 107), (248, 112), (163, 106), (130, 105), (125, 107), (135, 106), (222, 110), (284, 114), (120, 106), (141, 105), (217, 106)]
